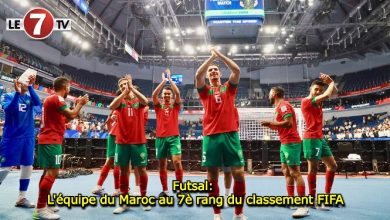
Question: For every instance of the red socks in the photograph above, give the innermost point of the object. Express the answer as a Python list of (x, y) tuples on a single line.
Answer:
[(164, 179), (44, 190), (290, 190), (329, 178), (179, 175), (143, 185), (312, 183), (215, 193), (301, 190), (103, 175), (239, 191), (116, 177), (124, 183)]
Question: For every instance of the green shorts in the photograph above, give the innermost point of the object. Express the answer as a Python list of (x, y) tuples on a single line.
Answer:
[(168, 146), (136, 153), (316, 148), (49, 155), (110, 146), (290, 154), (222, 150)]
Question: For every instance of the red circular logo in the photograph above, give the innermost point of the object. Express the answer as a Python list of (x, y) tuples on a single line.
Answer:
[(38, 23)]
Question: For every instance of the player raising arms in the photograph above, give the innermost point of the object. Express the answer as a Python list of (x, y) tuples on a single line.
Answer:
[(130, 139), (17, 145), (291, 145), (221, 144), (315, 147), (55, 112), (167, 131)]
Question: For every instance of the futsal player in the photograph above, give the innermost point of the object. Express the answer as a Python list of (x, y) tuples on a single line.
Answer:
[(221, 144), (167, 130), (291, 144), (54, 116), (315, 147), (111, 123), (18, 142), (130, 140)]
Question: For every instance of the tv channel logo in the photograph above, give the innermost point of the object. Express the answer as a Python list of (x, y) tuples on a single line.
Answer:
[(38, 24)]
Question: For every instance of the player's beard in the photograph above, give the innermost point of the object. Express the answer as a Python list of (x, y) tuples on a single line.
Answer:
[(272, 100)]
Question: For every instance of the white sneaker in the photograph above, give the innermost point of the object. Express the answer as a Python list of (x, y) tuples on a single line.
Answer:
[(116, 193), (44, 213), (217, 217), (120, 209), (53, 209), (239, 217), (322, 207), (147, 208), (301, 212), (98, 190), (24, 203)]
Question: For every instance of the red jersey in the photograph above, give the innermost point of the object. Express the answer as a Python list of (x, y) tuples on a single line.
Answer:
[(312, 113), (53, 121), (220, 113), (167, 120), (287, 135), (112, 125), (131, 123)]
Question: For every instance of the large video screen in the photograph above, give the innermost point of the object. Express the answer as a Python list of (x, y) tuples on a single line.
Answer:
[(234, 9)]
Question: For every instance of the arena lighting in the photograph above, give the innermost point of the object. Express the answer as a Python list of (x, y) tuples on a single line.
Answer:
[(67, 34), (75, 38), (171, 45), (85, 45), (291, 35), (246, 47), (268, 48), (200, 30), (271, 29), (167, 31), (175, 30), (203, 48), (288, 0), (189, 31), (280, 47), (233, 49), (24, 3), (189, 49), (283, 31), (369, 5), (168, 37)]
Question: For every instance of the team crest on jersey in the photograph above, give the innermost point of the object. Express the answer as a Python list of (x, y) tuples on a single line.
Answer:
[(142, 155), (283, 108)]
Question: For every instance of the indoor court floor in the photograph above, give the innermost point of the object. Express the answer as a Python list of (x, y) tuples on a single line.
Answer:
[(364, 198)]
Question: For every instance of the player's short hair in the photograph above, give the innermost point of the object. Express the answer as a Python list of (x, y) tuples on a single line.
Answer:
[(168, 88), (123, 78), (213, 64), (318, 83), (279, 91), (60, 83)]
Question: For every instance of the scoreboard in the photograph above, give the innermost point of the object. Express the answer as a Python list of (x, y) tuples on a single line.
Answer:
[(229, 20)]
